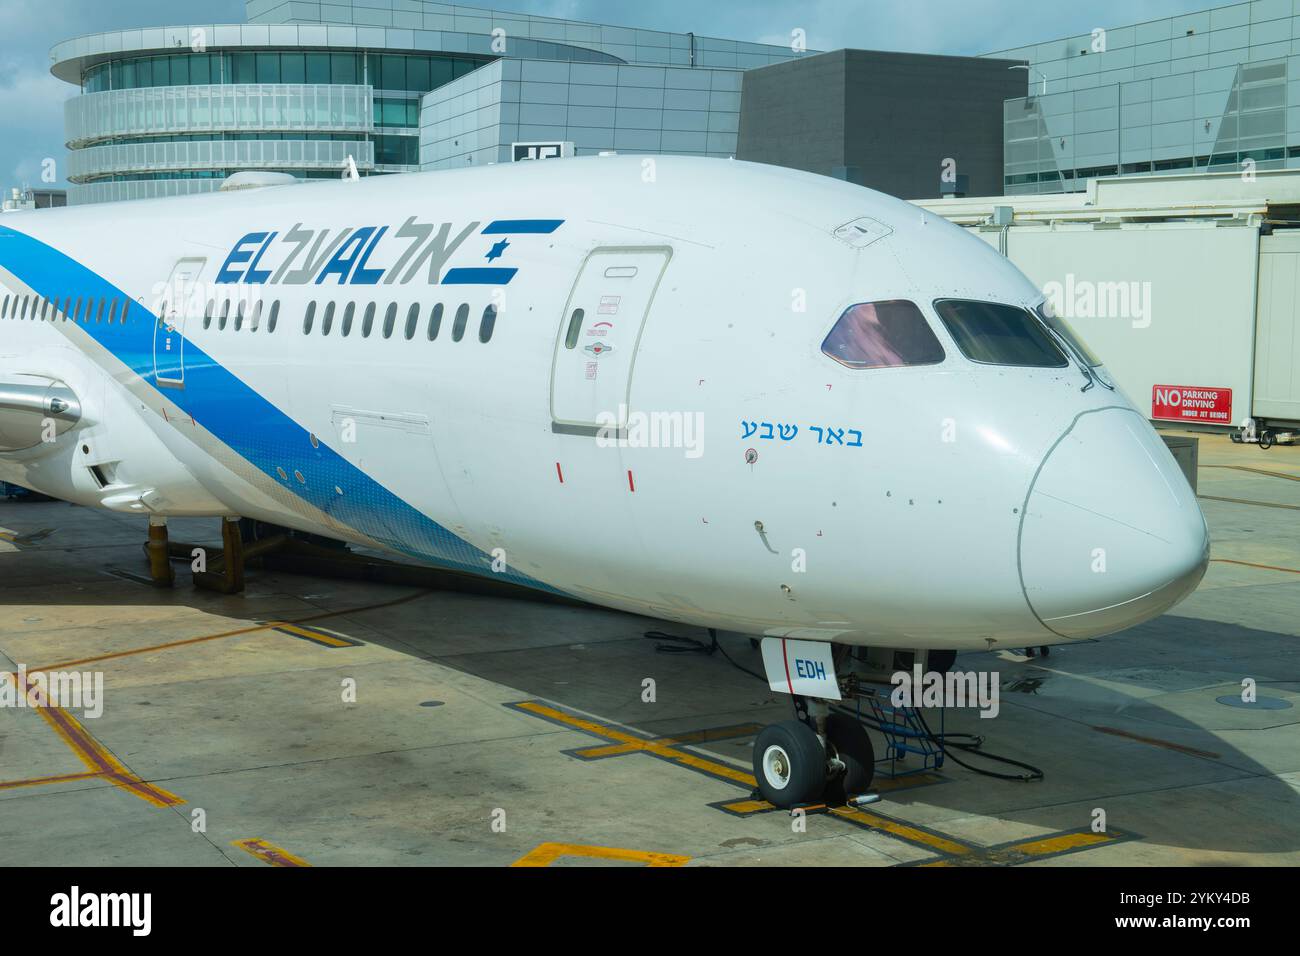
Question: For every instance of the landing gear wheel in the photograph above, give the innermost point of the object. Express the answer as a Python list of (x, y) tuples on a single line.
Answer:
[(941, 661), (789, 764), (853, 747), (1266, 439)]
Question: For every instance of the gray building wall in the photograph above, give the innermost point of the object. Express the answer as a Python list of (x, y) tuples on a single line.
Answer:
[(630, 44), (890, 119), (597, 106), (1208, 91)]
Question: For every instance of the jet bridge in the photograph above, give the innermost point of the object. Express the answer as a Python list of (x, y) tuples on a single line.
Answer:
[(1186, 285)]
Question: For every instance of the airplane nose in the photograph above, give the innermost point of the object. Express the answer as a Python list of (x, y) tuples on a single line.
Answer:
[(1112, 534)]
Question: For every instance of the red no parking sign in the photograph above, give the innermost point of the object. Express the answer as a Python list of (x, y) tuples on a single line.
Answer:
[(1191, 403)]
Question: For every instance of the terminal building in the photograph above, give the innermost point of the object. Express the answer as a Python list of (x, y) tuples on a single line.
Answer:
[(396, 85), (1209, 91), (403, 85)]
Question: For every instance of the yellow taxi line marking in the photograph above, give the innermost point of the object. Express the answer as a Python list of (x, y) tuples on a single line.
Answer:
[(640, 744), (1247, 501), (269, 852), (692, 737), (911, 834), (58, 778), (315, 636), (1157, 742), (953, 852), (1252, 564), (1257, 471), (1060, 844), (547, 853), (748, 806), (96, 756), (251, 629)]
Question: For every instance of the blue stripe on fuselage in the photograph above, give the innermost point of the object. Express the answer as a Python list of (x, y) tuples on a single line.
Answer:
[(500, 227), (250, 425)]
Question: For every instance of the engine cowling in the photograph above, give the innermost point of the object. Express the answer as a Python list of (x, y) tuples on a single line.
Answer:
[(35, 410)]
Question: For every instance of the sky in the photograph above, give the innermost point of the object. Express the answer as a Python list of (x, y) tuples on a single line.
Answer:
[(31, 110)]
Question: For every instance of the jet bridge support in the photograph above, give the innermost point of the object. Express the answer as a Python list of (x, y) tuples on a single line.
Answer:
[(160, 568), (229, 578)]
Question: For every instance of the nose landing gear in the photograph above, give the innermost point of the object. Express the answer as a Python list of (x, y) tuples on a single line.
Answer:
[(827, 758), (789, 764)]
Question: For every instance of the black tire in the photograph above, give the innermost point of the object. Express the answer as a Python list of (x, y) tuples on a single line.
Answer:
[(853, 747), (798, 759), (1266, 439), (940, 661)]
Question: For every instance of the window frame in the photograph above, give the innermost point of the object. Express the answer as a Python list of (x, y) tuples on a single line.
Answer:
[(1033, 320), (926, 321)]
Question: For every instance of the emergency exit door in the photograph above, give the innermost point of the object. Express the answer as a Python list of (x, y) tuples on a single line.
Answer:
[(169, 323), (596, 344)]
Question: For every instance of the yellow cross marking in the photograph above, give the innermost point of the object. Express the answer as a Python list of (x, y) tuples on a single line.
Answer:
[(548, 853)]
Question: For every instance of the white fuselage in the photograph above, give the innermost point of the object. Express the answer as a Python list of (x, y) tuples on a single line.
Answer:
[(955, 504)]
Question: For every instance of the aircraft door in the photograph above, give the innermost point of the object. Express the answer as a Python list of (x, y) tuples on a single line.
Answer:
[(169, 324), (595, 346)]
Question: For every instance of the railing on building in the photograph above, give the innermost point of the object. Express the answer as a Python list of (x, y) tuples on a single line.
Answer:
[(127, 158), (252, 107)]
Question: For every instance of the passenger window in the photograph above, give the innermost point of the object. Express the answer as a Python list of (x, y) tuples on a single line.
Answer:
[(327, 322), (995, 334), (458, 324), (4, 308), (224, 317), (488, 323), (575, 327), (125, 304), (412, 318), (255, 319), (22, 310), (307, 319), (67, 304), (271, 319), (435, 321), (368, 321), (348, 312), (390, 319), (239, 315), (99, 313), (885, 334), (112, 312), (207, 314)]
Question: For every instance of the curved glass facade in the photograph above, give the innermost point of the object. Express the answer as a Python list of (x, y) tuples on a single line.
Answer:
[(416, 73), (175, 123), (171, 110)]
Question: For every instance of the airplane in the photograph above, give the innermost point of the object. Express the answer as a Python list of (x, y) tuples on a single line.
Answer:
[(707, 391)]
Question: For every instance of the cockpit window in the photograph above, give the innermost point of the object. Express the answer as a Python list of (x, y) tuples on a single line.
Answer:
[(1063, 329), (997, 334), (883, 335)]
